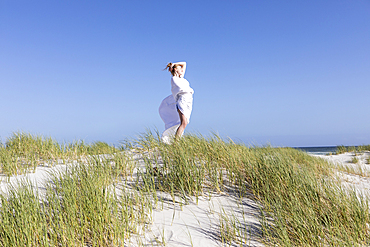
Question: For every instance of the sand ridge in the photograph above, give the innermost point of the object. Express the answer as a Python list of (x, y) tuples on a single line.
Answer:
[(199, 223)]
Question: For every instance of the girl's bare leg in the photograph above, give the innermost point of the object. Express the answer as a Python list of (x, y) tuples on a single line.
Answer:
[(182, 126)]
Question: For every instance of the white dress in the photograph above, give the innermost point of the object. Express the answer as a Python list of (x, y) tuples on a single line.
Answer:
[(182, 99), (183, 95)]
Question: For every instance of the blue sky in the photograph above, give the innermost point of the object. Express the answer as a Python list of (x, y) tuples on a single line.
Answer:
[(288, 73)]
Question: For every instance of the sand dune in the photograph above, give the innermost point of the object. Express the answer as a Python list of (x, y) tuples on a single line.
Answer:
[(357, 175), (200, 223)]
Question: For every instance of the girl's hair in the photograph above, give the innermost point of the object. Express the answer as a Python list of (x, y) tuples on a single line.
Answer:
[(171, 67)]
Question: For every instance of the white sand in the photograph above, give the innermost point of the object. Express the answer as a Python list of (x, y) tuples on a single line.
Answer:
[(174, 224), (37, 178), (358, 180), (199, 224)]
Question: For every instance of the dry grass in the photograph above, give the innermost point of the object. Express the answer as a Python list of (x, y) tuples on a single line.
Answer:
[(302, 203)]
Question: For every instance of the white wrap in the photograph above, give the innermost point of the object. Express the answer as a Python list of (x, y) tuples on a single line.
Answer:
[(180, 85), (184, 103), (168, 112), (182, 99)]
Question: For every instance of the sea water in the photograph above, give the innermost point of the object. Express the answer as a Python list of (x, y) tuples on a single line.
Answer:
[(319, 150)]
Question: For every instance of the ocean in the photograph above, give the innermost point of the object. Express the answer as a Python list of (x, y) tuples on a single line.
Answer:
[(318, 150)]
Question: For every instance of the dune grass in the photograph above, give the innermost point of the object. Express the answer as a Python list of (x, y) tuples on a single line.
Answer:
[(354, 169), (302, 203), (81, 207), (23, 152), (343, 149)]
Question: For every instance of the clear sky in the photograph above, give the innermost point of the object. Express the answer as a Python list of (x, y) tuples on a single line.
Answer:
[(288, 73)]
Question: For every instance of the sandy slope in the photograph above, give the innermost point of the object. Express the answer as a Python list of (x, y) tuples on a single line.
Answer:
[(173, 224), (355, 178), (199, 224), (37, 178)]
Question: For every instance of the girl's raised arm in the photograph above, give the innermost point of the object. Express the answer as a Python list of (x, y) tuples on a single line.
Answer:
[(183, 64)]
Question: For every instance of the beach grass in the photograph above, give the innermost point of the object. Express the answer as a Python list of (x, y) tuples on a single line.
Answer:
[(23, 152), (355, 149), (355, 160), (355, 169), (302, 203), (81, 207)]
